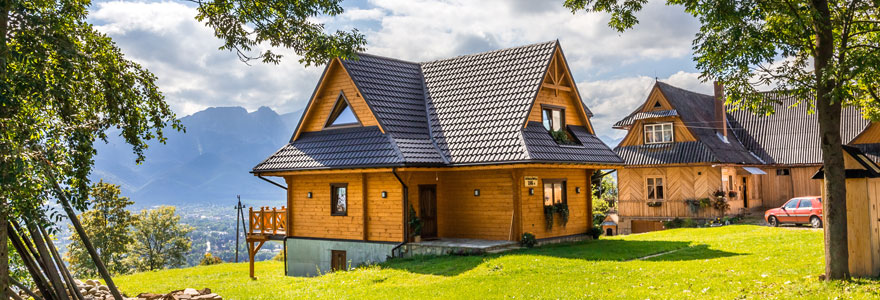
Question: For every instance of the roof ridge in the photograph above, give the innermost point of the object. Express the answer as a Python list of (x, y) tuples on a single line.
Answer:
[(487, 52), (386, 57)]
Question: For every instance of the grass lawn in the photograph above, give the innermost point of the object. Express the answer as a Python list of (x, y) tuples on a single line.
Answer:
[(731, 262)]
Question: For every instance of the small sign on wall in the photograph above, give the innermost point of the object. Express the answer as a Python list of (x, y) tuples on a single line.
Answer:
[(531, 181)]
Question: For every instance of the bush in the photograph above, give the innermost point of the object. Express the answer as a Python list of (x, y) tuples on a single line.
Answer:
[(528, 240), (562, 210), (595, 232), (210, 260), (279, 256), (680, 223)]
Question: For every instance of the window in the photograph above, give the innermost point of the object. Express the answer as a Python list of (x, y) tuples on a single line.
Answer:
[(806, 203), (783, 172), (342, 115), (655, 188), (792, 204), (339, 199), (554, 191), (658, 133), (553, 118)]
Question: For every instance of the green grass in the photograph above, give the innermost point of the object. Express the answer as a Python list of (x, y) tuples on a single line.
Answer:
[(731, 262)]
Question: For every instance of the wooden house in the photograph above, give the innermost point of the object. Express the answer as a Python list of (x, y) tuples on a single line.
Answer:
[(476, 146), (683, 147)]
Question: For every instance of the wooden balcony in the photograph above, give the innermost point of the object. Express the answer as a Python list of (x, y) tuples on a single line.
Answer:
[(268, 223), (265, 224)]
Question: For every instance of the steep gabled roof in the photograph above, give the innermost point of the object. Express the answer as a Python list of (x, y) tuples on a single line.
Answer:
[(696, 111), (465, 110), (478, 103), (791, 134)]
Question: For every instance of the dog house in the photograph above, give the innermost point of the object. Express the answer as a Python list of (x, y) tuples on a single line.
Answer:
[(609, 225)]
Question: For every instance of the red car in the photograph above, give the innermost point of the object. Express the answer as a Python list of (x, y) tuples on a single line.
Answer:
[(801, 210)]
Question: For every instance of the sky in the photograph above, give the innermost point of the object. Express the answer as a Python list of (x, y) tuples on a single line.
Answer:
[(614, 71)]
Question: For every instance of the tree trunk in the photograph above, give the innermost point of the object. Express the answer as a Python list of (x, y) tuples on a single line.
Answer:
[(828, 108), (4, 208)]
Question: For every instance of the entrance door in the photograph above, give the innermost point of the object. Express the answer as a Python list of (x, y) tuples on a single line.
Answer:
[(428, 210)]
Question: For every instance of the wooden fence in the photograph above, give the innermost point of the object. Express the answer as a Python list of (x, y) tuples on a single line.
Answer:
[(268, 221)]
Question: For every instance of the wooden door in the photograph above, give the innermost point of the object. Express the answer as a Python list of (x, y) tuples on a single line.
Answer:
[(744, 191), (337, 260), (428, 210), (640, 226)]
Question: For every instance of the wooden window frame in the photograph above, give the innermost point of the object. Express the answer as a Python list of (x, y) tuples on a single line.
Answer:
[(661, 125), (663, 185), (334, 198), (333, 111), (561, 109), (563, 181), (783, 172)]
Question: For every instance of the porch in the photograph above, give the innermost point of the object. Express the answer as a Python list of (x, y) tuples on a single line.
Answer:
[(447, 246)]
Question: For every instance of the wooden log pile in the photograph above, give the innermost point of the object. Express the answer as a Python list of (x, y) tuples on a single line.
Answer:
[(185, 294)]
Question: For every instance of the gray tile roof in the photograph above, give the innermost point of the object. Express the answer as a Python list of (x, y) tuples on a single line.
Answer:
[(697, 113), (632, 118), (478, 103), (465, 110), (349, 147), (672, 153), (791, 134), (541, 146)]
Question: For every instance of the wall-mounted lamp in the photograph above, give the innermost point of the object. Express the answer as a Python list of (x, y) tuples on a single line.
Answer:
[(531, 191), (577, 190), (384, 194), (476, 192), (309, 194)]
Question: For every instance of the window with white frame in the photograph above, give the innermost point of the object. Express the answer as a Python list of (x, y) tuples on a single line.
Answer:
[(655, 188), (658, 133)]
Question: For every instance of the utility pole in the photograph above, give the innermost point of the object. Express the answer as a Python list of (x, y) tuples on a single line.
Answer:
[(238, 208)]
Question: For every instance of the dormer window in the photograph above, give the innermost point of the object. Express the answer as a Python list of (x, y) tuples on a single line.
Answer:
[(658, 133), (553, 117), (342, 115)]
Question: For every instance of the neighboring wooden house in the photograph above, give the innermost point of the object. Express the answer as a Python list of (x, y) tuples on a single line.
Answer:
[(683, 146), (465, 142)]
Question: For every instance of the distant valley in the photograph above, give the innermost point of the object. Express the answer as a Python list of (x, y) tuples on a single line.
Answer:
[(208, 164)]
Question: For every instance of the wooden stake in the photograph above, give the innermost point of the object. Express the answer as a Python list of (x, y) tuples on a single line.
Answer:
[(86, 241), (29, 261), (71, 283), (50, 270)]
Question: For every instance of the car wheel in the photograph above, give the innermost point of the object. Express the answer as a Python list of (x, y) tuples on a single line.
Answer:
[(773, 222), (816, 222)]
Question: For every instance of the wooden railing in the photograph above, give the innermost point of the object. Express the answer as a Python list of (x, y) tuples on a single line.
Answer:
[(268, 221)]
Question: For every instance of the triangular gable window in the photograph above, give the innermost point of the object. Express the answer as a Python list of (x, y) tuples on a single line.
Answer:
[(342, 115), (657, 104)]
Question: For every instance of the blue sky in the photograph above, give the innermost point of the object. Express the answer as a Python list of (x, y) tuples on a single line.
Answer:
[(613, 70)]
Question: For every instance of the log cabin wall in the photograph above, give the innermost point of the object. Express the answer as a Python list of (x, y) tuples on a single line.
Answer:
[(579, 204), (311, 217), (777, 188), (681, 183)]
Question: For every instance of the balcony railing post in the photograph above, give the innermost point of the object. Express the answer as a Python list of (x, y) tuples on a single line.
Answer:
[(251, 220), (274, 221), (263, 219)]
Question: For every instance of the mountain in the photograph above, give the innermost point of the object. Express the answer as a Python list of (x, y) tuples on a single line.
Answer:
[(210, 163)]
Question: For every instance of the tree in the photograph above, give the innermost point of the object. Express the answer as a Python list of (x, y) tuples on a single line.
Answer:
[(160, 241), (63, 85), (825, 53), (108, 225)]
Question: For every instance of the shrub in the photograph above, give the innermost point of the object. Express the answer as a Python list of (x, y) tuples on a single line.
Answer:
[(528, 240), (210, 260), (548, 215), (595, 232), (562, 209), (279, 256), (415, 224), (680, 223)]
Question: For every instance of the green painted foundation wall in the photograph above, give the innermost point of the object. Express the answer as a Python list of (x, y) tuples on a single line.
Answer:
[(311, 257)]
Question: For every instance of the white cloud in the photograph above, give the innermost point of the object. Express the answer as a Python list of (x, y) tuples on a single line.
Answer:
[(612, 100), (193, 74), (357, 14)]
